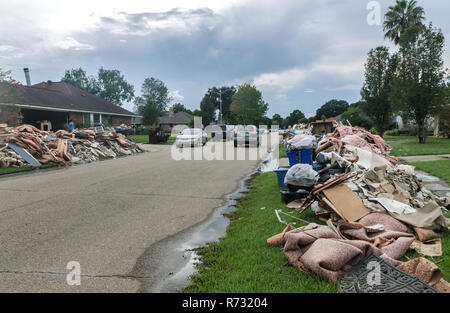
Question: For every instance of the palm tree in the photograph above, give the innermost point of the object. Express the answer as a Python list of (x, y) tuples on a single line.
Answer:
[(400, 17)]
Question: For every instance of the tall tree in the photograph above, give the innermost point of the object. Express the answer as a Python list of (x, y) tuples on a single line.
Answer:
[(208, 109), (356, 117), (113, 86), (403, 15), (248, 106), (379, 72), (223, 95), (153, 100), (178, 107), (109, 85), (331, 109), (277, 120), (295, 117), (418, 89), (77, 77), (10, 92)]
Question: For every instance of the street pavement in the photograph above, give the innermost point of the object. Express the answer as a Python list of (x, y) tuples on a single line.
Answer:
[(105, 215)]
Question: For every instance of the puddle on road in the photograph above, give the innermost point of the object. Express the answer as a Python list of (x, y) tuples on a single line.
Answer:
[(167, 265)]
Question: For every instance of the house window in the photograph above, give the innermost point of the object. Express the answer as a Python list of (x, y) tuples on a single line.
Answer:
[(86, 119), (96, 119)]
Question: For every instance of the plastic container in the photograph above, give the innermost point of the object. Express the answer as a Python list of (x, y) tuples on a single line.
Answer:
[(302, 156), (293, 157), (281, 173), (306, 156)]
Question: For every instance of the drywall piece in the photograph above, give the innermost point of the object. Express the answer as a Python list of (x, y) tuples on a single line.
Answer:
[(24, 154)]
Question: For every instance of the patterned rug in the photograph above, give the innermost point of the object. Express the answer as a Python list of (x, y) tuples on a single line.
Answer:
[(373, 275)]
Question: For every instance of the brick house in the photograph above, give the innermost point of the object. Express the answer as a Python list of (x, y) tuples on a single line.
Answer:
[(179, 119), (59, 102)]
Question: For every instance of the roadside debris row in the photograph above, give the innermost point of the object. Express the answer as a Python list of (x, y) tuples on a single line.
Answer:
[(26, 145), (371, 206)]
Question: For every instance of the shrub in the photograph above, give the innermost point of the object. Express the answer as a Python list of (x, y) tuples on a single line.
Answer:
[(143, 129), (393, 132)]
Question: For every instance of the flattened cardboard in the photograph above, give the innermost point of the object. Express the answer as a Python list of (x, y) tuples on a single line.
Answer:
[(346, 202)]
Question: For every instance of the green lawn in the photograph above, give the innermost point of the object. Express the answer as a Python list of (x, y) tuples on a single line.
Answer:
[(138, 138), (282, 151), (144, 139), (11, 170), (408, 145), (171, 140), (437, 168), (242, 261)]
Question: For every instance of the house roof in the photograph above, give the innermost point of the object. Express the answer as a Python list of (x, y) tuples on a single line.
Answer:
[(60, 96), (177, 118)]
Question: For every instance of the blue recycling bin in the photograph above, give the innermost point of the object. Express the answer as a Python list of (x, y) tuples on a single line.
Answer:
[(306, 156), (300, 156), (293, 157), (281, 173)]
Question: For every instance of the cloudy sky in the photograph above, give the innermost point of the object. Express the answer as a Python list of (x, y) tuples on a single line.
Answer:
[(299, 53)]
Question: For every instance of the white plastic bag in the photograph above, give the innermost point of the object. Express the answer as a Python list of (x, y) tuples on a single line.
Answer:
[(301, 175), (302, 142)]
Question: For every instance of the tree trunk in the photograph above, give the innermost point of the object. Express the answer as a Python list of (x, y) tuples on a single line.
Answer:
[(421, 133)]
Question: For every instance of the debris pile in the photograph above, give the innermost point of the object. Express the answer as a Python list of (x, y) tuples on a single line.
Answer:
[(355, 137), (27, 145), (370, 206)]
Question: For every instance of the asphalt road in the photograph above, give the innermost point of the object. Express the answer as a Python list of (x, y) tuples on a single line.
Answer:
[(104, 215)]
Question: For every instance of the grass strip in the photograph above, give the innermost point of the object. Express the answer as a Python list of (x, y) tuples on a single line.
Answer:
[(409, 145), (11, 170), (242, 261)]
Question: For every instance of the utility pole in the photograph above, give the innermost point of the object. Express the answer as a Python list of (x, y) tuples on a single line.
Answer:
[(221, 113)]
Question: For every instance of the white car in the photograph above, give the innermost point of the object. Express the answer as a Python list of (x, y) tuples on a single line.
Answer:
[(191, 137)]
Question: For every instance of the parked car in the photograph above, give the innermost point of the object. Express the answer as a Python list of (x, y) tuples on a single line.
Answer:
[(191, 137), (247, 135), (222, 133)]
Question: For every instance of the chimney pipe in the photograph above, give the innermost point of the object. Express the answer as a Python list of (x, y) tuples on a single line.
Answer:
[(27, 76)]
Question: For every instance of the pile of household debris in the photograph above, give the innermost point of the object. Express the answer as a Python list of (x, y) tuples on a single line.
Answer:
[(355, 137), (371, 207), (26, 145)]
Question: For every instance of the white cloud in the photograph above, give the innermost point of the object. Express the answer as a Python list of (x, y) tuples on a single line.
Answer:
[(176, 96), (70, 43), (10, 52), (283, 81), (350, 87)]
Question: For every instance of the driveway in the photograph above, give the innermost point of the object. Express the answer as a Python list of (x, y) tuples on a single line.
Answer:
[(104, 215)]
